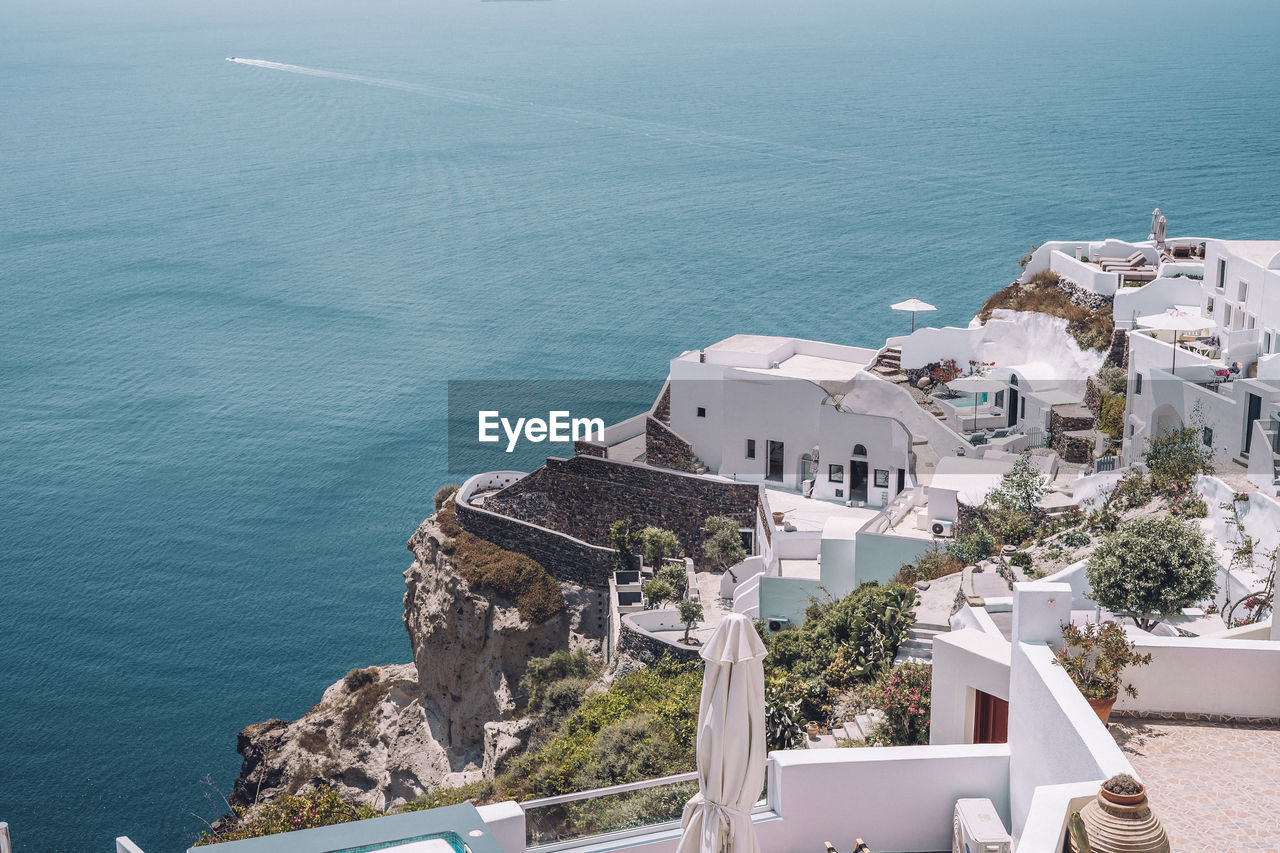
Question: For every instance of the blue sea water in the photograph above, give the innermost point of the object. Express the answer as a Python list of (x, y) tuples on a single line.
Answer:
[(231, 296)]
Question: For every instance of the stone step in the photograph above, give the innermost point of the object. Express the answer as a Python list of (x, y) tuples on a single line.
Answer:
[(822, 742)]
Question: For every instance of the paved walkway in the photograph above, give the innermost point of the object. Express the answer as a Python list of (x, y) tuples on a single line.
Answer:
[(1214, 786)]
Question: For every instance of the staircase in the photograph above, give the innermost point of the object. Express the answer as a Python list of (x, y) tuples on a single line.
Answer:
[(918, 646), (862, 727), (889, 364)]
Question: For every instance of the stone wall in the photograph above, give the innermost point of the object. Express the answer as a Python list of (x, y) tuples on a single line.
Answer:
[(590, 448), (569, 560), (582, 496), (664, 447), (648, 648), (1093, 396), (1118, 354)]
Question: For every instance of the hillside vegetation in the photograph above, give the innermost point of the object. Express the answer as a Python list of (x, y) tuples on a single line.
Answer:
[(1090, 326)]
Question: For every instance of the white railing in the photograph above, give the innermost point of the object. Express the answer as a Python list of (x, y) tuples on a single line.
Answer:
[(6, 845)]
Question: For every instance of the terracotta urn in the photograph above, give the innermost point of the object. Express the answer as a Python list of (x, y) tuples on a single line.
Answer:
[(778, 517), (1122, 827), (812, 729), (1102, 707)]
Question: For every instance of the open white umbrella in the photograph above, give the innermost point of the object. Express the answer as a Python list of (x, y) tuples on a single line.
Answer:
[(1176, 320), (913, 305), (976, 385), (731, 744)]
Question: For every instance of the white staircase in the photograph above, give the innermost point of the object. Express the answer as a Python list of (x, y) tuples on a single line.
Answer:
[(918, 646)]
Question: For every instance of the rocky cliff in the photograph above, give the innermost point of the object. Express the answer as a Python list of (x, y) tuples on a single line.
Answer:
[(386, 734)]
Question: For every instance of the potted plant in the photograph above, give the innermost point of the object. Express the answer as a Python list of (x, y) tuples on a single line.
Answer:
[(1118, 819), (1096, 657)]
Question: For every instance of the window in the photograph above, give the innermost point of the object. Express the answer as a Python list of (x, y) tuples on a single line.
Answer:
[(1022, 407), (1222, 273), (882, 478), (1251, 321), (1243, 292), (835, 473), (1266, 342), (859, 450), (1226, 316), (751, 448), (1207, 437), (999, 400), (1130, 430), (1208, 308), (1013, 380), (702, 411), (1137, 383)]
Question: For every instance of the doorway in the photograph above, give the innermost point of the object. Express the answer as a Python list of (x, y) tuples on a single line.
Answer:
[(990, 718), (1012, 418), (1254, 412), (858, 480), (773, 469)]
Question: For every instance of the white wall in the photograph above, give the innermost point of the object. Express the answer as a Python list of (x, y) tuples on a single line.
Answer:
[(1087, 276), (964, 661), (1154, 297), (506, 822), (1197, 675)]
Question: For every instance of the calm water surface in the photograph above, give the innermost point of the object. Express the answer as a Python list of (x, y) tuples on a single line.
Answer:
[(230, 296)]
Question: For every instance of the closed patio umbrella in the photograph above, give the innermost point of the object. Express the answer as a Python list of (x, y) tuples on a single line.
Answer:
[(1175, 320), (731, 744), (913, 305), (975, 385)]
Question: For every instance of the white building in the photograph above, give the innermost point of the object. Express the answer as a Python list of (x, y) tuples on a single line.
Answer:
[(769, 409), (1224, 378)]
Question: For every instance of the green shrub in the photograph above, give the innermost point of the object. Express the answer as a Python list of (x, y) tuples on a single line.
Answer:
[(1175, 457), (1075, 539), (437, 797), (1022, 559), (1114, 379), (973, 545), (541, 673), (321, 807), (1152, 567), (1111, 415), (676, 577), (563, 697), (690, 615), (841, 644), (443, 494), (357, 678), (657, 591), (904, 698), (934, 562), (782, 717), (489, 568), (723, 543), (659, 544)]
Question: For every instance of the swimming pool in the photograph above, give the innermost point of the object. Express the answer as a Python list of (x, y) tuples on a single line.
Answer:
[(439, 842)]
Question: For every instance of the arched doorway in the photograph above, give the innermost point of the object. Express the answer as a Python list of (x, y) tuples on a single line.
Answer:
[(1012, 416), (858, 474)]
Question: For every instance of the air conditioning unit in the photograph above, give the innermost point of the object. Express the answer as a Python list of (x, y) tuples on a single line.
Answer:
[(942, 528), (977, 828), (778, 623)]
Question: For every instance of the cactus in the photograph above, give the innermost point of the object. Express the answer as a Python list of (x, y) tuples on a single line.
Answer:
[(1079, 836)]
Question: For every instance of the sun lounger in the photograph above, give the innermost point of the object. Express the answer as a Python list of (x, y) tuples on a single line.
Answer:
[(1137, 259)]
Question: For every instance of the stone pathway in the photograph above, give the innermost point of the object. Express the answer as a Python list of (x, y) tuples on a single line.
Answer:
[(1214, 786)]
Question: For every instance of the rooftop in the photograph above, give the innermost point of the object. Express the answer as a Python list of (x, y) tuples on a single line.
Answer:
[(1210, 782)]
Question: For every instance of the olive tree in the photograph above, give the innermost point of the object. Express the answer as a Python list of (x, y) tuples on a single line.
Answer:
[(723, 545), (1152, 567), (659, 543), (690, 615)]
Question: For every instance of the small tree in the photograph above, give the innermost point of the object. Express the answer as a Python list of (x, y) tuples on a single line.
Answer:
[(1020, 489), (1152, 567), (659, 544), (1176, 456), (626, 539), (657, 591), (723, 545), (690, 615), (675, 576)]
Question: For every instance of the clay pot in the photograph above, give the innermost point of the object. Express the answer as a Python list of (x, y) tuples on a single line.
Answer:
[(1124, 799), (778, 517), (1102, 707), (812, 729), (1122, 828)]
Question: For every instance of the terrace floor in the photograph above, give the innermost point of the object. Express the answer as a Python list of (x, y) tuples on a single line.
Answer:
[(1213, 785)]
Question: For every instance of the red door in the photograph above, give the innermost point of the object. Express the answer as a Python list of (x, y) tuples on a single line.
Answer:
[(990, 719)]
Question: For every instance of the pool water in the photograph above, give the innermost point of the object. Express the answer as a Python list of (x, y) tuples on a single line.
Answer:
[(440, 842)]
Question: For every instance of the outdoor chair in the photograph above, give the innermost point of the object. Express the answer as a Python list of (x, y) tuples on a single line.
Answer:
[(978, 439), (1000, 433), (1137, 259)]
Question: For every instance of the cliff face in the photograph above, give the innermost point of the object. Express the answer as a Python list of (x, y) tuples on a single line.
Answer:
[(388, 734)]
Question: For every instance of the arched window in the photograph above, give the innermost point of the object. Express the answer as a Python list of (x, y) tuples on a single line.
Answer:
[(1013, 380), (859, 450)]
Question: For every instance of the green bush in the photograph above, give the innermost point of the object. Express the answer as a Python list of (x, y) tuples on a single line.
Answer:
[(904, 698), (934, 562), (1075, 539), (443, 494), (675, 576), (1022, 559), (563, 697), (1174, 458), (626, 539), (1114, 379), (1111, 415), (659, 544), (782, 717), (841, 644), (657, 591), (321, 807), (489, 568), (973, 545), (438, 797), (560, 665), (357, 678), (1152, 567)]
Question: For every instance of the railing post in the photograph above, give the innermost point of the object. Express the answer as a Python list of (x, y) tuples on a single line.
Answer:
[(6, 845), (124, 845)]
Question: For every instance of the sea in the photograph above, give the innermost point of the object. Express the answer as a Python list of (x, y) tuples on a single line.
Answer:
[(233, 294)]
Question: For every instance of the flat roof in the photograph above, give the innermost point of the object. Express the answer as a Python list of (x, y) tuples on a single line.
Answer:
[(810, 514), (1259, 252), (762, 344), (969, 478)]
